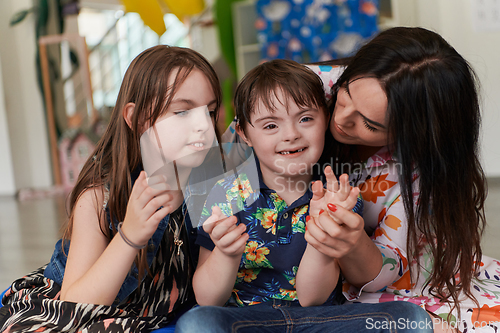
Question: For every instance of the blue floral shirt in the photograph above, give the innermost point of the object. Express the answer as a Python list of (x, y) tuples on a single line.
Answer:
[(276, 244)]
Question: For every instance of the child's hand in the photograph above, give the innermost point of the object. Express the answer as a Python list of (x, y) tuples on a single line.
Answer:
[(228, 237), (336, 194), (143, 208)]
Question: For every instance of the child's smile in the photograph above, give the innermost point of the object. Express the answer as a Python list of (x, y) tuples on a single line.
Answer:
[(293, 152)]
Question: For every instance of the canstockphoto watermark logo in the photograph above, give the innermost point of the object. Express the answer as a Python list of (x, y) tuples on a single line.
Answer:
[(428, 324), (400, 324)]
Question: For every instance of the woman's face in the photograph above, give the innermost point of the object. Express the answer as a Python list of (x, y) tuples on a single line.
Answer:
[(360, 114)]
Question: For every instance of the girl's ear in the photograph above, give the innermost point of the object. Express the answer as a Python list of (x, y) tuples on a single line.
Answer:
[(128, 113), (241, 133)]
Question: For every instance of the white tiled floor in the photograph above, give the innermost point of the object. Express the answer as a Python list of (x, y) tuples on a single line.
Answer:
[(30, 229), (28, 233)]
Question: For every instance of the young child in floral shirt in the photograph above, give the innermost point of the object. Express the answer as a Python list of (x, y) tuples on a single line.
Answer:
[(282, 115)]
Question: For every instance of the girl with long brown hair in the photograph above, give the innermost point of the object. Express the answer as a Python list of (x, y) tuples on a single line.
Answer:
[(124, 262)]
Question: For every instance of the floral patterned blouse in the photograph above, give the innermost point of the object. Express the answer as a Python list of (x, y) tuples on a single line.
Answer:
[(385, 221)]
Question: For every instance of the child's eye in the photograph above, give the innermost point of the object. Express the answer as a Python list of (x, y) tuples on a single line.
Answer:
[(270, 126), (305, 119), (181, 113), (368, 127)]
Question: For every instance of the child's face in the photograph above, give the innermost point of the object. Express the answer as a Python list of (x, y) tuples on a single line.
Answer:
[(289, 141), (186, 131)]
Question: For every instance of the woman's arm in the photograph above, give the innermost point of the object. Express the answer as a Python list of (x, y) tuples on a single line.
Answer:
[(215, 275), (96, 268)]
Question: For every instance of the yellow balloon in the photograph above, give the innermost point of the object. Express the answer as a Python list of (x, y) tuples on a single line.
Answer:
[(150, 12), (185, 7)]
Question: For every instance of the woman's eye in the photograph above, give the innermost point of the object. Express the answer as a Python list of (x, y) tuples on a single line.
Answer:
[(270, 126), (368, 127), (181, 113)]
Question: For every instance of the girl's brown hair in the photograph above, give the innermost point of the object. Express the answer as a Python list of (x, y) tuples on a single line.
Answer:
[(118, 151)]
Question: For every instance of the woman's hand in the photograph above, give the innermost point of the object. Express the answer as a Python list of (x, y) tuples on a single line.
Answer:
[(147, 206), (228, 237), (339, 233), (335, 232), (333, 229)]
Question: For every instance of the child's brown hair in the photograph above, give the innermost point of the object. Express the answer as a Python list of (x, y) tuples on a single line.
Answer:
[(261, 83)]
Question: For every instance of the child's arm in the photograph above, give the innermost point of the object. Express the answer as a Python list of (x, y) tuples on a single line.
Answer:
[(215, 275), (96, 268), (318, 273), (317, 277)]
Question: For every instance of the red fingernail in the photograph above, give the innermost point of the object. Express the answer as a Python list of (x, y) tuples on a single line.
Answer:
[(332, 207), (321, 211), (308, 218)]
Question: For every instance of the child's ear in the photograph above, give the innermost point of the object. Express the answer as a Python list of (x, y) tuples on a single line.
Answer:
[(241, 133), (128, 113)]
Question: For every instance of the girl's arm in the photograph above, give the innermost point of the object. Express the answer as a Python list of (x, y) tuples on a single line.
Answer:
[(96, 268), (216, 273)]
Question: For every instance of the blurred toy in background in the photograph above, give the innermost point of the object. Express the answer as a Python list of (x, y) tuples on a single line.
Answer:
[(314, 30)]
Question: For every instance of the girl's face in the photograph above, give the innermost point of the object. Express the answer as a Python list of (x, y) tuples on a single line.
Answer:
[(186, 131), (360, 114)]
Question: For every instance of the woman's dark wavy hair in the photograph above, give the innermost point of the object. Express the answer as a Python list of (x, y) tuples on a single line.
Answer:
[(118, 153), (434, 121)]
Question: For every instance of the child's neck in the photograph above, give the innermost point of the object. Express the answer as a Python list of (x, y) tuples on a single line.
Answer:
[(289, 188)]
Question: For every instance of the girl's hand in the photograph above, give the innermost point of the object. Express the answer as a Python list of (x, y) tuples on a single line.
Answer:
[(338, 193), (228, 237), (147, 206)]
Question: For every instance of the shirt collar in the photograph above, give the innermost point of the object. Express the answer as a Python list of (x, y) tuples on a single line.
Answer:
[(263, 187), (381, 157)]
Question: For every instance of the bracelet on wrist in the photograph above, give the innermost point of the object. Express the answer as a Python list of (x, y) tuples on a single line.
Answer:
[(128, 241)]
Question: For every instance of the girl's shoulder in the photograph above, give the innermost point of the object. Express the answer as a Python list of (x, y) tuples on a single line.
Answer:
[(96, 196), (91, 205)]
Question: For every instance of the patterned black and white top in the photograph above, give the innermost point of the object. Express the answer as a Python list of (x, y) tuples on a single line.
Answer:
[(32, 303)]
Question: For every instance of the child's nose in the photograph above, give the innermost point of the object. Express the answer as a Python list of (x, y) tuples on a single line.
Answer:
[(291, 133)]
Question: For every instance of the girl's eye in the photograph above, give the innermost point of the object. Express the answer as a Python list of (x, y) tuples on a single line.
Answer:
[(306, 119), (368, 127), (212, 113), (181, 113), (270, 126)]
